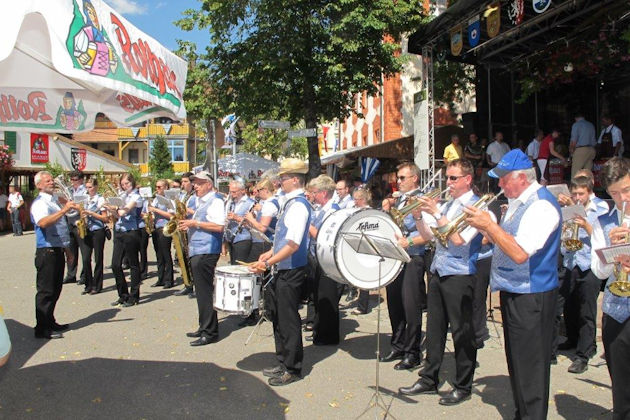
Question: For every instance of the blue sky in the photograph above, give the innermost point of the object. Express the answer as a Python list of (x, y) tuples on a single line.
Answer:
[(156, 18)]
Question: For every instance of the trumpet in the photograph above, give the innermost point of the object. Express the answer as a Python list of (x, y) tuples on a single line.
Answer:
[(457, 225), (399, 214), (572, 242), (621, 286)]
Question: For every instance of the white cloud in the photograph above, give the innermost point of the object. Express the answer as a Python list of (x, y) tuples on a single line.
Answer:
[(160, 5), (127, 7)]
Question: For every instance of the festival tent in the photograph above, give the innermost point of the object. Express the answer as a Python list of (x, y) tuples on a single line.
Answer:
[(245, 165), (64, 61)]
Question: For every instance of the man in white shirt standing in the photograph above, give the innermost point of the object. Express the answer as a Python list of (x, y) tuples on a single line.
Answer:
[(15, 202), (343, 197), (534, 146), (495, 151)]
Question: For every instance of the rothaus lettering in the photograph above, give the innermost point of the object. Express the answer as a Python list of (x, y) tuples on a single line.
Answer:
[(33, 108)]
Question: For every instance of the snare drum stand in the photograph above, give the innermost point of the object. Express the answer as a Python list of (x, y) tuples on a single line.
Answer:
[(261, 309)]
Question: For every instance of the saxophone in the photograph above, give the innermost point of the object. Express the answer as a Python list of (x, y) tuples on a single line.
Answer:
[(82, 223), (149, 222)]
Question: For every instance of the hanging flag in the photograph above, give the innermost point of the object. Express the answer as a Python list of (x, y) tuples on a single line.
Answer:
[(457, 43), (493, 19), (167, 128), (541, 5), (368, 168), (474, 31), (229, 128), (135, 131), (515, 11)]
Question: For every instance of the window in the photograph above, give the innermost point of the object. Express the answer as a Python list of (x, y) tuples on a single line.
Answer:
[(133, 155), (177, 150)]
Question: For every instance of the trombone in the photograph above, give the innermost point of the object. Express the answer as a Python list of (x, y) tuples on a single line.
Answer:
[(621, 286)]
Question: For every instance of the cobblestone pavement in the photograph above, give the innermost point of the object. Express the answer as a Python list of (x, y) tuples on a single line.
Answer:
[(136, 363)]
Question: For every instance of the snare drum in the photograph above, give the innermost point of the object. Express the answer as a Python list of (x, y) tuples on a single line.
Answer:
[(339, 260), (237, 290)]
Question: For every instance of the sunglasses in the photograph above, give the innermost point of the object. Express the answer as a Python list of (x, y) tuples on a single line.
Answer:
[(402, 177), (454, 178)]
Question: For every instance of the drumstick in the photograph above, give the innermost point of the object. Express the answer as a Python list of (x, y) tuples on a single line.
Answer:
[(245, 263)]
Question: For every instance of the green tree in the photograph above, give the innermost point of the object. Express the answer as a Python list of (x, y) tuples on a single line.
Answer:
[(299, 59), (160, 160)]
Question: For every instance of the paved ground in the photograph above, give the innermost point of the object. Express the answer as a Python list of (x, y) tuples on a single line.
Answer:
[(135, 363)]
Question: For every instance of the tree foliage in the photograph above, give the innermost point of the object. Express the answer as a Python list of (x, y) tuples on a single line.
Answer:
[(452, 81), (160, 160), (298, 59), (272, 143)]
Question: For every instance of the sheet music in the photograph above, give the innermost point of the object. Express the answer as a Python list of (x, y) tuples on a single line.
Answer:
[(559, 189), (173, 193), (80, 198), (116, 201), (571, 212), (607, 255), (145, 192), (163, 201)]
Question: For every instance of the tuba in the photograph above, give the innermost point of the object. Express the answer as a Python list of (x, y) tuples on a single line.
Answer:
[(621, 286), (457, 225), (399, 214), (179, 238)]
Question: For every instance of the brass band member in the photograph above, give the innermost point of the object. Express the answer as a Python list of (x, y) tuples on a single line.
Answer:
[(205, 232), (450, 292), (162, 243), (94, 241), (407, 296), (327, 292), (610, 229), (77, 188), (127, 241), (52, 236), (362, 199), (289, 255), (187, 188), (524, 269), (263, 218), (238, 237)]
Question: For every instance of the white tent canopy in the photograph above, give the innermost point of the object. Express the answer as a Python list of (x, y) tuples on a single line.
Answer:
[(245, 164), (64, 61)]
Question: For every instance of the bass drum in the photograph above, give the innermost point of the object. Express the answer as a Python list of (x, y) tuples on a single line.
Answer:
[(339, 260)]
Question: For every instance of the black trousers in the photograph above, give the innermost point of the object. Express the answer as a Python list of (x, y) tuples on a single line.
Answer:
[(450, 301), (287, 290), (49, 263), (162, 246), (202, 267), (93, 243), (74, 247), (616, 339), (406, 298), (580, 290), (363, 303), (144, 243), (127, 244), (326, 325), (480, 297), (240, 251), (257, 249), (528, 331), (311, 287)]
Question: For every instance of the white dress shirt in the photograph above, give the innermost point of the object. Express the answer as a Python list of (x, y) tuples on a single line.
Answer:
[(296, 218)]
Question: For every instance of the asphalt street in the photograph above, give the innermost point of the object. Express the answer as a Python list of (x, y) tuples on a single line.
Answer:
[(136, 363)]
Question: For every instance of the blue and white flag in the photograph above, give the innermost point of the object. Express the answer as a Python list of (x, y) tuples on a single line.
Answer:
[(474, 31), (229, 128), (368, 168)]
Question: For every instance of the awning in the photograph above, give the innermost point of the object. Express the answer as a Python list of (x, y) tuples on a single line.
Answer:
[(64, 61), (401, 149)]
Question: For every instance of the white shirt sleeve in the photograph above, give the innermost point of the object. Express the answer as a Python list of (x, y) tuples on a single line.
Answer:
[(39, 210), (269, 209), (216, 212), (598, 241), (297, 213), (537, 224)]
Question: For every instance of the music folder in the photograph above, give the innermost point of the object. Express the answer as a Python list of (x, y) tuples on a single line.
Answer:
[(608, 254), (375, 245)]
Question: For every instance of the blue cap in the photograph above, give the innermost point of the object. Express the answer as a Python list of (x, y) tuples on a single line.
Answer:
[(513, 160)]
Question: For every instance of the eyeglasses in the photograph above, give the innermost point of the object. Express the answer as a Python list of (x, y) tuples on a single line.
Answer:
[(74, 179), (284, 178), (454, 178), (402, 177)]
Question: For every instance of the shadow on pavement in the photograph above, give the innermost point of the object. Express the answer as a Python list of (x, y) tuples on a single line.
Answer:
[(497, 392), (129, 389), (571, 407)]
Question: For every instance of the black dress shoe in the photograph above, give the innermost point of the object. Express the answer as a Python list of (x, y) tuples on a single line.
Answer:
[(554, 360), (567, 345), (144, 276), (85, 292), (67, 281), (120, 301), (249, 321), (578, 366), (307, 327), (407, 363), (49, 334), (454, 397), (418, 387), (157, 284), (203, 340), (184, 291), (60, 327), (194, 334), (273, 372), (285, 379), (81, 281), (168, 286), (130, 302), (393, 355)]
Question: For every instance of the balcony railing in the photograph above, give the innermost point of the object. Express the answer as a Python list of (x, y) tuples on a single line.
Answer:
[(178, 167), (151, 131)]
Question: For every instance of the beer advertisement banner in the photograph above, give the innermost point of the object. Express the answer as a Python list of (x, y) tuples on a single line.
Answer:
[(39, 148)]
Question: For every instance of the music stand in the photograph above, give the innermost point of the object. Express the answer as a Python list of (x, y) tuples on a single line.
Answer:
[(382, 248)]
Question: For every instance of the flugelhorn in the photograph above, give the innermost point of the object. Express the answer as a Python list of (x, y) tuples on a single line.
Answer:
[(621, 286), (399, 214), (457, 225), (572, 243)]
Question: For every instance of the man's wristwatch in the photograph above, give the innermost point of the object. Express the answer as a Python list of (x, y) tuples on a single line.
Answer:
[(267, 266)]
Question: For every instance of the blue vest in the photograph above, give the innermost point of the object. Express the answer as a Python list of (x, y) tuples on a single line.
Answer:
[(92, 205), (201, 241), (582, 258), (412, 232), (540, 272), (191, 204), (457, 259), (299, 257), (130, 221), (53, 236), (240, 209), (160, 221), (615, 306), (272, 224)]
